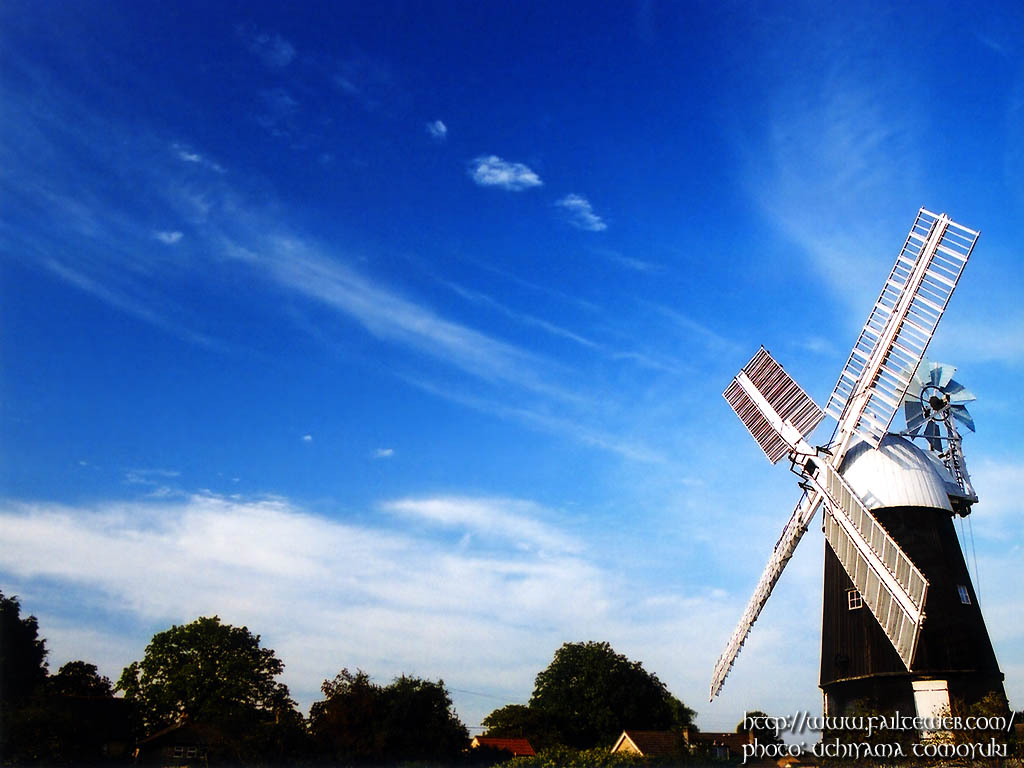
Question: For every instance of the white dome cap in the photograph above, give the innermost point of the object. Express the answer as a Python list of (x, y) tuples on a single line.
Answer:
[(897, 474)]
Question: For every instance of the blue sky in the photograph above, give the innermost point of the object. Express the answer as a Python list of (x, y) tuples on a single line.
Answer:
[(398, 332)]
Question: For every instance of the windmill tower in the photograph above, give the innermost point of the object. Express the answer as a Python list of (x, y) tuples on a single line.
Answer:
[(900, 620)]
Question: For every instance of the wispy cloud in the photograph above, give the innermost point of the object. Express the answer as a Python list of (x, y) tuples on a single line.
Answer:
[(301, 267), (384, 453), (187, 155), (272, 49), (489, 301), (367, 80), (437, 130), (699, 333), (492, 171), (845, 142), (512, 520), (170, 238), (279, 108), (581, 213), (307, 438), (629, 262), (541, 418), (125, 301)]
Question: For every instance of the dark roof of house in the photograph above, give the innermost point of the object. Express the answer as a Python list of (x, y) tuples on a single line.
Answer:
[(517, 746), (182, 732), (655, 743), (734, 741)]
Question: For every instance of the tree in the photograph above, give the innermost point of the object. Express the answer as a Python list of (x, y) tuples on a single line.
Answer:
[(217, 675), (22, 681), (22, 653), (519, 720), (80, 679), (589, 694), (410, 719)]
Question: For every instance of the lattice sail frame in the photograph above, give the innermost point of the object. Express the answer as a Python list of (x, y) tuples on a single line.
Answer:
[(893, 341), (869, 391)]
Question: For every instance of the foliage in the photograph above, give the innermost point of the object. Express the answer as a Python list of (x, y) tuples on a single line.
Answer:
[(79, 678), (216, 675), (22, 653), (589, 694), (362, 722), (204, 671), (518, 720), (22, 677), (567, 757)]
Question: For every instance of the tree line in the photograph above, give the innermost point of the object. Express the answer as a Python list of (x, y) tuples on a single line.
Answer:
[(220, 679)]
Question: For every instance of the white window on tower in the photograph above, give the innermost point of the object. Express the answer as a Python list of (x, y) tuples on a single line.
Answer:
[(854, 599)]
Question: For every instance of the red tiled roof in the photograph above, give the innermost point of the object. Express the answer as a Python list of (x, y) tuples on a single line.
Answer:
[(517, 746)]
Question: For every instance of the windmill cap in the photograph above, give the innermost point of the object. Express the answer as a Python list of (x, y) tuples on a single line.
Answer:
[(898, 474)]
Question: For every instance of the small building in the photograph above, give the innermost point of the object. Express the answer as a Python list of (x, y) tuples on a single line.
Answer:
[(179, 745), (650, 743), (719, 745), (518, 747)]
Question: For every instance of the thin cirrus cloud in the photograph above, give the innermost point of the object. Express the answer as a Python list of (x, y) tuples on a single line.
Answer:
[(272, 49), (492, 171), (168, 238), (581, 213), (300, 267)]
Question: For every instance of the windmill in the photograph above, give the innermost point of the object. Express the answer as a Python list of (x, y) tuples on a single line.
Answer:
[(888, 505)]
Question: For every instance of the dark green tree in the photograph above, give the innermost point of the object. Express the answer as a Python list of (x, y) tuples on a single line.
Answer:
[(589, 694), (519, 720), (80, 679), (23, 736), (216, 675), (362, 722), (22, 653)]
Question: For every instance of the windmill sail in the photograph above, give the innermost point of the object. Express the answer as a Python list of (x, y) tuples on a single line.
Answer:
[(784, 548), (900, 326), (773, 407), (893, 588)]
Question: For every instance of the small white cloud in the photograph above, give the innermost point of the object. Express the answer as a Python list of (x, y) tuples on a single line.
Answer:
[(384, 453), (169, 238), (188, 155), (307, 438), (492, 171), (273, 50), (438, 130), (581, 213)]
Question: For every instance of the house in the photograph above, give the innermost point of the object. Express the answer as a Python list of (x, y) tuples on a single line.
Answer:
[(650, 743), (519, 747), (179, 745), (719, 745)]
